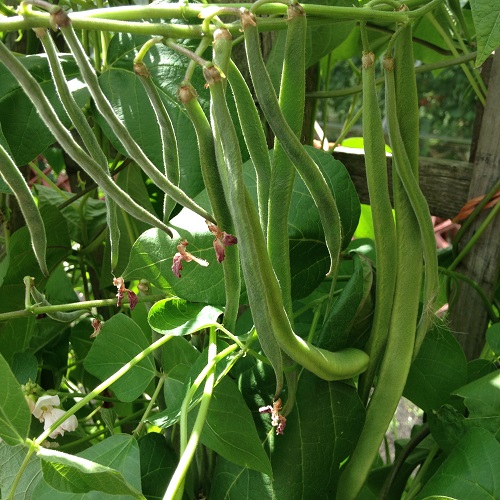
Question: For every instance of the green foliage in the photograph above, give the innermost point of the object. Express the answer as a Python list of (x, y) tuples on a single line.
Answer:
[(218, 383)]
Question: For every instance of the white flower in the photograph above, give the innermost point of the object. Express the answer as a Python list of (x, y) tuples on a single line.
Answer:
[(44, 410), (70, 424)]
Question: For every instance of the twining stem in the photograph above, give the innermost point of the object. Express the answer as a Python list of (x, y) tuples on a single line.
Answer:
[(151, 405), (104, 385), (35, 309), (187, 452)]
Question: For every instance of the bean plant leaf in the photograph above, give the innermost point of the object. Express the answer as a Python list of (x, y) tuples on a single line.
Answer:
[(486, 17), (320, 435), (120, 340), (493, 338), (482, 398), (439, 368), (15, 416), (158, 463), (470, 471), (11, 459), (75, 474), (27, 135), (178, 317), (152, 256), (233, 482)]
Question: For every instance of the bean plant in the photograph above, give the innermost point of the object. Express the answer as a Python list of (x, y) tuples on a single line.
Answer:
[(193, 317)]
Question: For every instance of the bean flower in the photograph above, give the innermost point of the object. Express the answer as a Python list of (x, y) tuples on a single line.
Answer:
[(44, 409)]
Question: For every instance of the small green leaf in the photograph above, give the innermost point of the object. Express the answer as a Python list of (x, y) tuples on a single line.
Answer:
[(120, 340), (73, 474), (486, 17), (482, 398), (470, 471), (179, 317), (439, 368), (15, 416), (493, 338)]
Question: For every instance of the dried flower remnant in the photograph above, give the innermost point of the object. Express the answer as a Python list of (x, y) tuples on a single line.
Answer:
[(277, 420), (221, 241), (183, 255), (96, 325), (120, 285)]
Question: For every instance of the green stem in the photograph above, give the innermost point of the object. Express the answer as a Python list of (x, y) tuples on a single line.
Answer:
[(34, 310), (150, 406), (477, 234), (449, 42), (32, 448), (104, 385), (326, 94), (189, 448)]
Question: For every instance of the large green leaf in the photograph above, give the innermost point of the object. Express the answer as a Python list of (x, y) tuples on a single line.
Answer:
[(24, 130), (15, 416), (470, 471), (179, 317), (120, 340), (486, 17), (11, 459), (232, 482), (439, 368), (131, 104), (320, 435), (83, 473), (158, 462), (152, 254)]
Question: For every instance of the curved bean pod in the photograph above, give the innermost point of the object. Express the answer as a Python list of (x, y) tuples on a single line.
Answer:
[(263, 289), (106, 110), (308, 170), (83, 128), (254, 136), (383, 221), (167, 134), (29, 209), (400, 342), (408, 119), (291, 102), (33, 90)]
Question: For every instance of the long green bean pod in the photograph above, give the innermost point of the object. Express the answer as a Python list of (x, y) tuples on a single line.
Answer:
[(89, 139), (119, 129), (29, 208), (401, 339), (383, 221), (291, 102), (408, 119), (167, 134), (255, 139), (33, 90), (308, 170), (263, 289)]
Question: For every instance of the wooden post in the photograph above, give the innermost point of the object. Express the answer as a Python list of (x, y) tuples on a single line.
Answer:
[(468, 316)]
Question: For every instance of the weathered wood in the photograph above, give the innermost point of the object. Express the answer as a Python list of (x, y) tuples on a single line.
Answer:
[(468, 316), (444, 183)]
